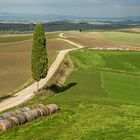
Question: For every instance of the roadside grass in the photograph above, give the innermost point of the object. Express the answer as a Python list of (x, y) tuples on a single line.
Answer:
[(15, 63), (121, 37), (14, 39), (90, 109)]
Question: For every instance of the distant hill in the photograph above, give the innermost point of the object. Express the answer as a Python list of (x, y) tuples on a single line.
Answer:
[(11, 17), (26, 22), (65, 26)]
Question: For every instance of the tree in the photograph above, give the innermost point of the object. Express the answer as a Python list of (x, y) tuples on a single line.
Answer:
[(39, 58)]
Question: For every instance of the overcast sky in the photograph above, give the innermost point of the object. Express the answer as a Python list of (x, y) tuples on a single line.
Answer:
[(87, 8)]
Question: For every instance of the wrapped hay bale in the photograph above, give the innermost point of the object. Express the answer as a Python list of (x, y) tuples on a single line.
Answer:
[(25, 114), (48, 110), (44, 111), (53, 108), (15, 120), (14, 113), (11, 121), (30, 115), (39, 111), (34, 113), (4, 125), (20, 111), (17, 112), (24, 109), (21, 119), (6, 115)]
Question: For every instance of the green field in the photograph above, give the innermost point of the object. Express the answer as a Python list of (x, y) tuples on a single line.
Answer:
[(14, 39), (120, 72), (102, 102), (122, 37)]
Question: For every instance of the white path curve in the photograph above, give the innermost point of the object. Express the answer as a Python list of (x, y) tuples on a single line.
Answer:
[(27, 93)]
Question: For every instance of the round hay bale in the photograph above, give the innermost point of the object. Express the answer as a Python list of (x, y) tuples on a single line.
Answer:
[(31, 112), (12, 114), (21, 119), (48, 110), (17, 112), (54, 106), (7, 115), (4, 125), (44, 111), (51, 109), (11, 121), (30, 115), (24, 109), (34, 114), (39, 111), (27, 116), (20, 111), (15, 120)]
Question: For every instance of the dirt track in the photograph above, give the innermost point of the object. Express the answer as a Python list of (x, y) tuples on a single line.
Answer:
[(28, 92)]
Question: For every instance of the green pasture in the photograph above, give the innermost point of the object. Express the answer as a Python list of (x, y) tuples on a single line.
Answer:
[(122, 37), (14, 39), (100, 101)]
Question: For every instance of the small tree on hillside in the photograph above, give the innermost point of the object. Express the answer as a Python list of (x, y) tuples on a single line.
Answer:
[(39, 55)]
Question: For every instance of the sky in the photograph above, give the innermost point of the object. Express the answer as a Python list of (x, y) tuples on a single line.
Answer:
[(82, 8)]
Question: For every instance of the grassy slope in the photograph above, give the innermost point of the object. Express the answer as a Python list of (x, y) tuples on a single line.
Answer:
[(122, 87), (122, 37), (87, 112), (119, 69), (14, 39)]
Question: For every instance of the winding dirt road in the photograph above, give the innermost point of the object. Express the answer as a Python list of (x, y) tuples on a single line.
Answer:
[(28, 93)]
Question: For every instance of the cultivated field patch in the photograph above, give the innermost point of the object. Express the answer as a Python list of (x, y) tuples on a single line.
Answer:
[(122, 37), (10, 39)]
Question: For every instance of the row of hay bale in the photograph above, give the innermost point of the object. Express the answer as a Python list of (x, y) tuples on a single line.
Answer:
[(25, 114)]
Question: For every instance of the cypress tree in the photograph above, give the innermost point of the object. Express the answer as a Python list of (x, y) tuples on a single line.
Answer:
[(39, 54)]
